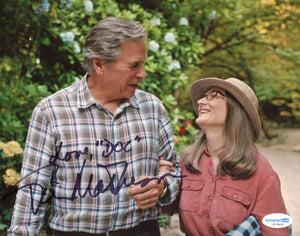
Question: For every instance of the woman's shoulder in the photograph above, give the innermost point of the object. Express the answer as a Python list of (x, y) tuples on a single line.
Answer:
[(264, 167), (263, 161)]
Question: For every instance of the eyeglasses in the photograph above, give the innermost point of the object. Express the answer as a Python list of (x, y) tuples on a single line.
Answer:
[(211, 95)]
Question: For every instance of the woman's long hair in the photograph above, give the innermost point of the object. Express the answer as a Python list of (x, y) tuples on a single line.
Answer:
[(238, 157)]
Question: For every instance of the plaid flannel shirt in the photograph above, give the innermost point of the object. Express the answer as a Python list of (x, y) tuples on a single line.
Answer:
[(249, 227), (83, 158)]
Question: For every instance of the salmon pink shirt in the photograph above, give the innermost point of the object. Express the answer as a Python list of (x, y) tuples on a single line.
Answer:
[(213, 205)]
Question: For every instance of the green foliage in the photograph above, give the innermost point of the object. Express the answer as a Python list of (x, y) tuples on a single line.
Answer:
[(163, 221), (18, 97), (10, 164)]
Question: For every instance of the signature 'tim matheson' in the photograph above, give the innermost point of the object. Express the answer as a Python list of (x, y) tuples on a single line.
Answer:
[(100, 187)]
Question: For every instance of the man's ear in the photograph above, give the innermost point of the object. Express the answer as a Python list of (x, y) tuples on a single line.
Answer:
[(98, 65)]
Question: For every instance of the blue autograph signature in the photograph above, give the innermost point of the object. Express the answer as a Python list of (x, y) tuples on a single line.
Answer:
[(78, 190)]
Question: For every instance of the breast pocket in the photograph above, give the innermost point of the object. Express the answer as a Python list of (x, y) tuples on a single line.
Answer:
[(190, 195), (233, 205)]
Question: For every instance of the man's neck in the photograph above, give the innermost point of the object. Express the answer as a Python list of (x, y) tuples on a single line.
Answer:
[(102, 95)]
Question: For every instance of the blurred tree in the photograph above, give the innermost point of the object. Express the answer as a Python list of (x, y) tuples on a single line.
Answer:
[(255, 41)]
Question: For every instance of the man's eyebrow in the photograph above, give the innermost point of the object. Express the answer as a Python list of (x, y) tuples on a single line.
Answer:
[(138, 61)]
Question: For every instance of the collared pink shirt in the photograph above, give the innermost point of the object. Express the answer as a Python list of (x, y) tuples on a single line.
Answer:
[(213, 205)]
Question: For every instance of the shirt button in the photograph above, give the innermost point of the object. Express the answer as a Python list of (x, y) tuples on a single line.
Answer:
[(236, 196), (209, 197)]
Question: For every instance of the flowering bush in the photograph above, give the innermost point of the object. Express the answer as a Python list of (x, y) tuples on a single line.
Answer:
[(185, 130), (11, 148), (11, 177), (10, 165), (18, 96)]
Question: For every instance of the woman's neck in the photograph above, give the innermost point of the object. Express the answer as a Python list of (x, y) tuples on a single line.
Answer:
[(215, 142)]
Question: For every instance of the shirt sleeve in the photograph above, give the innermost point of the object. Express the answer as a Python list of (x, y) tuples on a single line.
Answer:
[(167, 150), (269, 200), (173, 208), (250, 226), (33, 189)]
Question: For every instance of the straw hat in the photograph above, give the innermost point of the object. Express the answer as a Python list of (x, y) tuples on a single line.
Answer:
[(241, 91)]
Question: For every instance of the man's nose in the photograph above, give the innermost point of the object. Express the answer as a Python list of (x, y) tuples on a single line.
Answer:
[(141, 73)]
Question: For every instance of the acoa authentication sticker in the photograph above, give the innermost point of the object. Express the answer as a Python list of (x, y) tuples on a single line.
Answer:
[(277, 220)]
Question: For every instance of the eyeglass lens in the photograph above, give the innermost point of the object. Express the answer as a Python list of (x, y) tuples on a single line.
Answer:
[(211, 95)]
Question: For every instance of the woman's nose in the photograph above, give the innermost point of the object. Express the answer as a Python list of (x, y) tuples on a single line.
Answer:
[(202, 100)]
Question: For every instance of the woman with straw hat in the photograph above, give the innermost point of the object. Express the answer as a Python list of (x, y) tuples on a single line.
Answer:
[(226, 179)]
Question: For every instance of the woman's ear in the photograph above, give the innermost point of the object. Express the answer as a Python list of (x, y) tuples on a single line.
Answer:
[(98, 65)]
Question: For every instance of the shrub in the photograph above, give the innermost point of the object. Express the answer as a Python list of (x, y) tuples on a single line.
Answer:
[(10, 165)]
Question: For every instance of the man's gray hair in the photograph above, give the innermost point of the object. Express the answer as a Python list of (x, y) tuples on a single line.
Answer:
[(105, 38)]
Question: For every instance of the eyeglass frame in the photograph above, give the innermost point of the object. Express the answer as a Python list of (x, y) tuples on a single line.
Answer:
[(208, 96)]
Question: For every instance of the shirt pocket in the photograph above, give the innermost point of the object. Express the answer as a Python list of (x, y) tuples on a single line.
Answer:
[(190, 195), (233, 205)]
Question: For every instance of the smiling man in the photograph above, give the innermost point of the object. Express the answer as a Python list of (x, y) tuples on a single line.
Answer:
[(97, 144)]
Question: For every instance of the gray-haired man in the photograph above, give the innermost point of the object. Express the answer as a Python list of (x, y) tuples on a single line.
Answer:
[(93, 148)]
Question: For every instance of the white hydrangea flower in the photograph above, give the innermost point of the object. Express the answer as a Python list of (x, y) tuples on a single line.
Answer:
[(155, 21), (45, 6), (153, 45), (174, 66), (76, 47), (170, 37), (89, 6), (69, 3), (212, 15), (67, 37), (183, 21)]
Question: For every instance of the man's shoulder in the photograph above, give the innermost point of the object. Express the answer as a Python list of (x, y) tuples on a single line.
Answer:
[(148, 102), (60, 97), (141, 95)]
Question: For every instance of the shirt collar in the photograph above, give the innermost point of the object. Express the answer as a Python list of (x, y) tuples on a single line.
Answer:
[(85, 98), (206, 152), (133, 100)]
